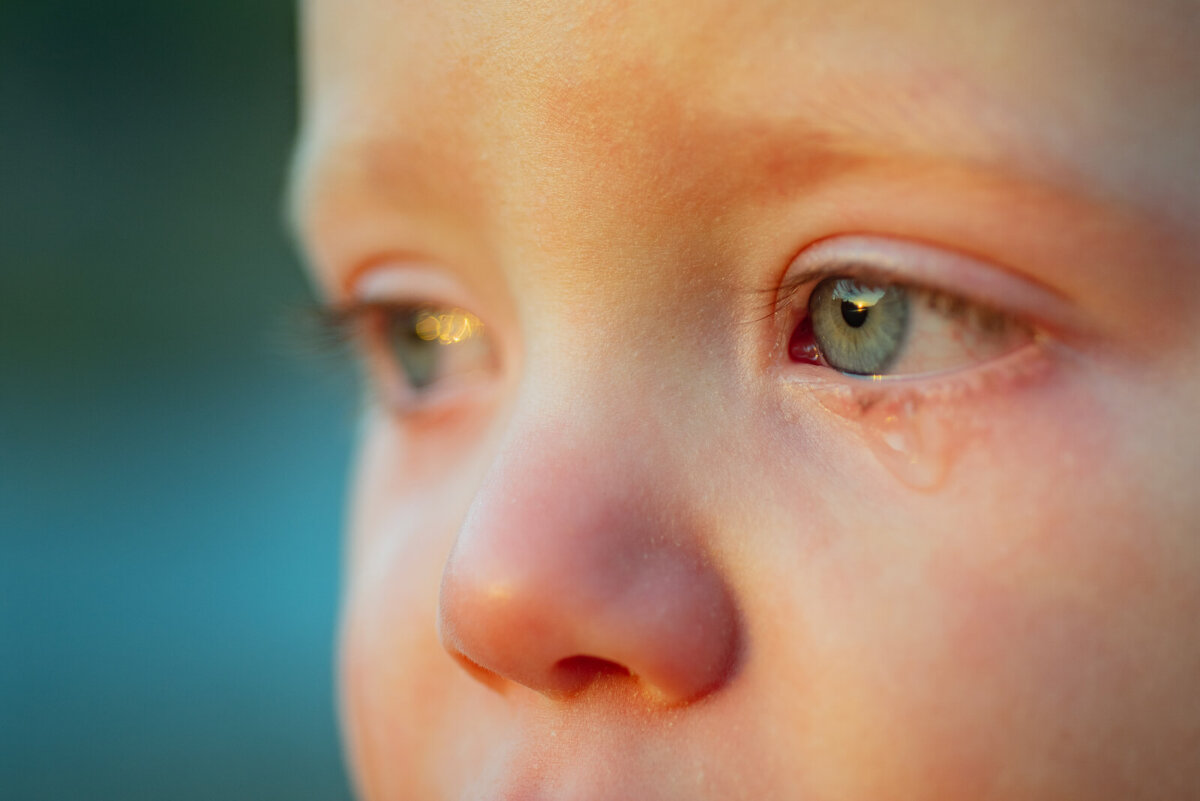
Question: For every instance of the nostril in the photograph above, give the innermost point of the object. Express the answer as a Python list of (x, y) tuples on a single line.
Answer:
[(577, 672)]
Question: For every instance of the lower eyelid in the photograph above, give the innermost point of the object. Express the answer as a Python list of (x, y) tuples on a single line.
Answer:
[(851, 395), (917, 427)]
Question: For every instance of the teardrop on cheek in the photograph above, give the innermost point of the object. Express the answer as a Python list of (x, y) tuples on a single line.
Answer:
[(917, 447), (916, 443)]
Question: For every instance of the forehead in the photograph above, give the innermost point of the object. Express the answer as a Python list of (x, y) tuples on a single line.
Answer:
[(538, 42), (653, 98)]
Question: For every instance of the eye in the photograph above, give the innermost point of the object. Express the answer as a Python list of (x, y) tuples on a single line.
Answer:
[(941, 335), (418, 351), (419, 354), (878, 328)]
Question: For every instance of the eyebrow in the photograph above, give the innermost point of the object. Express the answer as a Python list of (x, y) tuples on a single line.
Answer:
[(788, 153), (932, 122)]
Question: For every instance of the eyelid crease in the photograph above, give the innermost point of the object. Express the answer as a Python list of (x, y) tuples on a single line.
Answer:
[(935, 270), (399, 281)]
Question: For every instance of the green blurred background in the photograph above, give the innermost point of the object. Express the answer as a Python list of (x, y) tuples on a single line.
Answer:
[(170, 474)]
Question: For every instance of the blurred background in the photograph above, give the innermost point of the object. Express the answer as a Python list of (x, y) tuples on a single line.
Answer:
[(171, 472)]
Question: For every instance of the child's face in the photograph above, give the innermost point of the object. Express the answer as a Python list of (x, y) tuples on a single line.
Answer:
[(623, 531)]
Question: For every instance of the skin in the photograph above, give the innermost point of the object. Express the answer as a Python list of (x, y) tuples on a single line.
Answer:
[(647, 556)]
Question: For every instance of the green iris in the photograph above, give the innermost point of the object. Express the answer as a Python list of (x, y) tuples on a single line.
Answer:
[(860, 329)]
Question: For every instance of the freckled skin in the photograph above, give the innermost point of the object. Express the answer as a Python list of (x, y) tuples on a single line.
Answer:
[(644, 562)]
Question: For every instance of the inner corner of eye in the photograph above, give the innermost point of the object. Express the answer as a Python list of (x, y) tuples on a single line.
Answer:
[(802, 346)]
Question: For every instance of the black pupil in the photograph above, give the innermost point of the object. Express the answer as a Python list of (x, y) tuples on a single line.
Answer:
[(853, 314)]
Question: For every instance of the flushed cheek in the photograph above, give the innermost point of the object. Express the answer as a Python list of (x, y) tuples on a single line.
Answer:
[(367, 701), (966, 683), (402, 529), (1037, 656), (1041, 683), (403, 699), (989, 640), (1035, 664), (400, 691), (386, 683)]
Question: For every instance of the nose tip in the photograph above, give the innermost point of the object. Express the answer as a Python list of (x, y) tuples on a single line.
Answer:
[(554, 584), (666, 623)]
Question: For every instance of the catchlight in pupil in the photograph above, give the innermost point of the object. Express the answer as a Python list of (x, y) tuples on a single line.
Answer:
[(853, 314)]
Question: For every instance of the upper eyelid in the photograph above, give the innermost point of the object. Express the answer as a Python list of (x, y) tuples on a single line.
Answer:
[(795, 283), (932, 268), (400, 283), (403, 281)]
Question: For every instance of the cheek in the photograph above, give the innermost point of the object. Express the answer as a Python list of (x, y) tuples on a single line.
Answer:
[(1005, 636), (400, 691), (1066, 640), (404, 700), (394, 674), (383, 637)]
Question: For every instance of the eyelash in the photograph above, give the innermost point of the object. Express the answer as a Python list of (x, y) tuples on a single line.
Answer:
[(787, 291), (331, 328)]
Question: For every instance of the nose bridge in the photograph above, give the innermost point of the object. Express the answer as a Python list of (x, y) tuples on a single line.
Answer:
[(576, 559)]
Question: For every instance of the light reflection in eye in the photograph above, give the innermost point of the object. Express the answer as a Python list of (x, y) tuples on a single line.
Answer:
[(863, 297), (447, 327)]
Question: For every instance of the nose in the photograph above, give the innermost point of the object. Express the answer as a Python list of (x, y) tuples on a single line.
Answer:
[(571, 565)]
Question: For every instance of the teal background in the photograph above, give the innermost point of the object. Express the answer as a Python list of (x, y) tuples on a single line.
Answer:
[(171, 472)]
